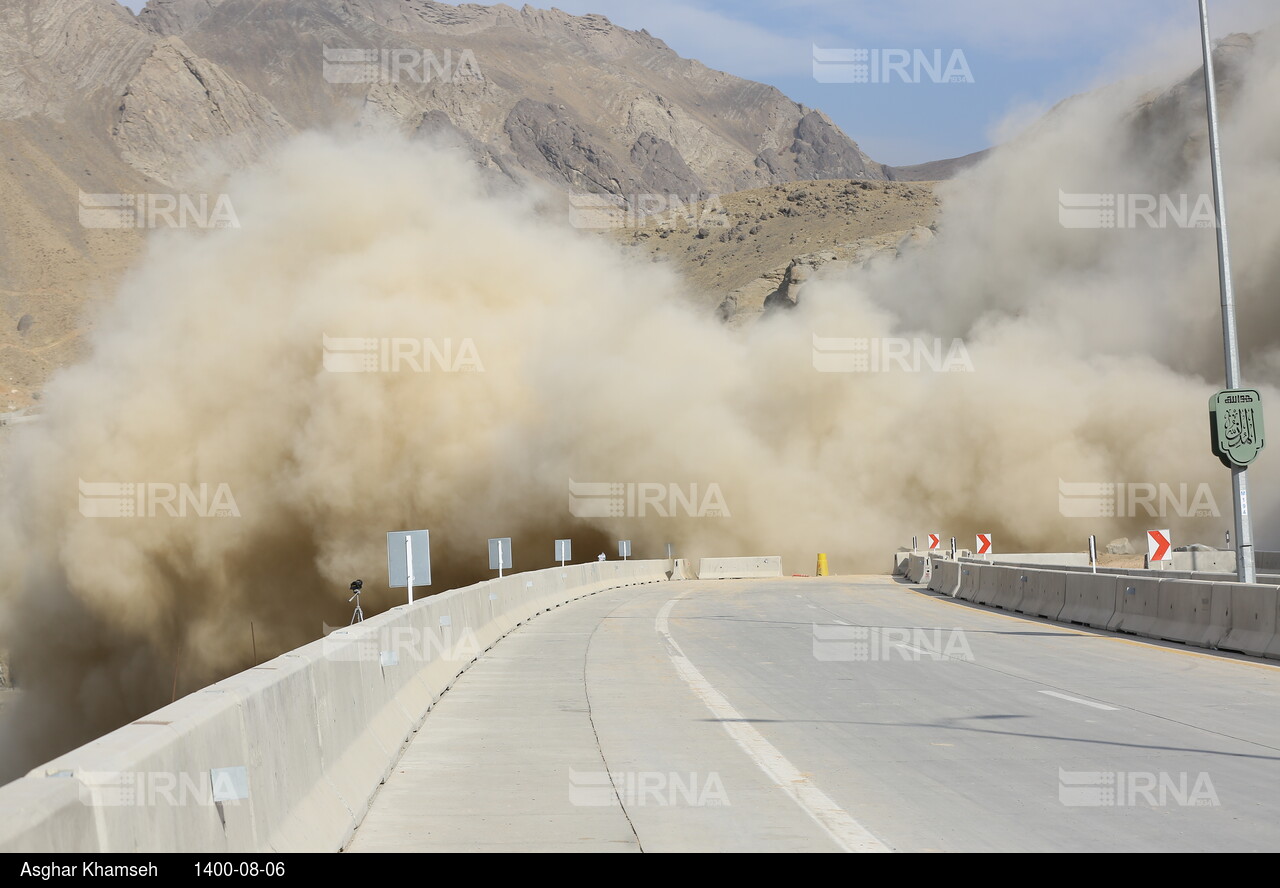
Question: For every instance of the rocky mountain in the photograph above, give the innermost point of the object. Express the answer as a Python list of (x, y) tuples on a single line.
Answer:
[(937, 169), (94, 100), (575, 101)]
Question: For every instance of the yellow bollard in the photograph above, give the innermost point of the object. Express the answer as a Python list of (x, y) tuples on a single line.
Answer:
[(822, 564)]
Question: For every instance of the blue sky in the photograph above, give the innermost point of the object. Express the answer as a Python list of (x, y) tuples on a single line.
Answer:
[(1024, 55)]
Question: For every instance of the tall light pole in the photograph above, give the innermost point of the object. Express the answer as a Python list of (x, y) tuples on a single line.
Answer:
[(1245, 569)]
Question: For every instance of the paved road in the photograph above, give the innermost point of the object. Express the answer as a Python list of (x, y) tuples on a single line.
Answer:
[(845, 713)]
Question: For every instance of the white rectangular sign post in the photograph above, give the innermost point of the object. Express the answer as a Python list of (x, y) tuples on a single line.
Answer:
[(1093, 552), (564, 551), (500, 554), (408, 559), (671, 551), (1159, 547), (624, 549)]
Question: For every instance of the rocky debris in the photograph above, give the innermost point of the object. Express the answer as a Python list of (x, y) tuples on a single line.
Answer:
[(914, 239), (781, 288), (802, 270), (1121, 546), (738, 250), (24, 323)]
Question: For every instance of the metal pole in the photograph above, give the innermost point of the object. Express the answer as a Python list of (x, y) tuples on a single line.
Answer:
[(408, 560), (1245, 569)]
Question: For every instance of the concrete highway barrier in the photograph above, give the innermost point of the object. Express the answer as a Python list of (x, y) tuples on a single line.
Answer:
[(1205, 560), (1266, 561), (901, 560), (285, 756), (1195, 612), (1167, 605), (1138, 606), (932, 577), (740, 568), (946, 577), (1039, 559), (970, 580), (682, 569), (1044, 593), (1252, 611), (1089, 600), (1002, 587)]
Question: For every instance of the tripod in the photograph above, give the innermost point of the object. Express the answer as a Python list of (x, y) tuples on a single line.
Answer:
[(356, 588)]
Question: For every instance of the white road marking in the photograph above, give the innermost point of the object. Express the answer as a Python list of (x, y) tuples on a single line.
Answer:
[(846, 832), (1078, 700)]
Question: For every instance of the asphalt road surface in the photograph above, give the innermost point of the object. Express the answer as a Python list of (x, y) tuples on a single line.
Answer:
[(835, 714)]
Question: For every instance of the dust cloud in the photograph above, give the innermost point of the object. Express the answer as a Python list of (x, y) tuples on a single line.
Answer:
[(513, 354)]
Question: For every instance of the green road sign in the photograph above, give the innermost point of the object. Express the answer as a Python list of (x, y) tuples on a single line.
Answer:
[(1235, 418)]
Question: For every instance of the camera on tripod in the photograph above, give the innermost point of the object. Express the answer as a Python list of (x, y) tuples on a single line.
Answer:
[(356, 587)]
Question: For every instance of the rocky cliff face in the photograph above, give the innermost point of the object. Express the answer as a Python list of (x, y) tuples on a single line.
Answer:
[(94, 100), (572, 100), (181, 115), (56, 56)]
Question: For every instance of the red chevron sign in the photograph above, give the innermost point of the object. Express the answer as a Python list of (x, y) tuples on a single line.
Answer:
[(984, 544), (934, 541), (1158, 545)]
